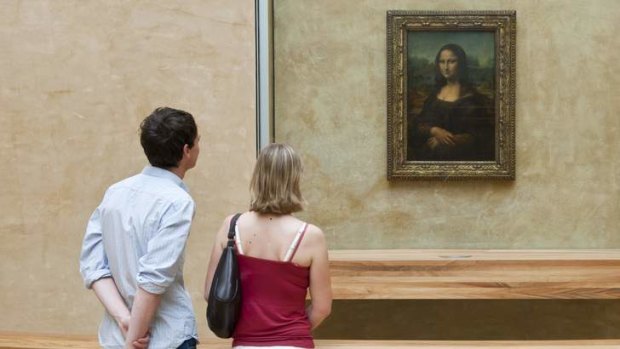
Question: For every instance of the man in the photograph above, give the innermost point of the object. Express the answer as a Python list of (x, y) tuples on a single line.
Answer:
[(133, 249)]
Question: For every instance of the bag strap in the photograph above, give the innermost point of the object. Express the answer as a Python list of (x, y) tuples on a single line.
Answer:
[(231, 230)]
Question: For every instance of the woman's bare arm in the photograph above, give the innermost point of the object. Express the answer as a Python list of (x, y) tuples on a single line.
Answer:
[(216, 252), (320, 282)]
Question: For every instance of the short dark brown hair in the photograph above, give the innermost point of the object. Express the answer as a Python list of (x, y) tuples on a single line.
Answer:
[(164, 133)]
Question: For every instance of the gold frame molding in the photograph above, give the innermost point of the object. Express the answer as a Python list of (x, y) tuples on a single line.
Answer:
[(503, 24)]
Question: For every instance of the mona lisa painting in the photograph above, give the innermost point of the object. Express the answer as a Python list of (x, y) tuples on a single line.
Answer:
[(451, 80)]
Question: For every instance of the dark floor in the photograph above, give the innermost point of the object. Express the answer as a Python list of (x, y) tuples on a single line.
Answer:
[(472, 319)]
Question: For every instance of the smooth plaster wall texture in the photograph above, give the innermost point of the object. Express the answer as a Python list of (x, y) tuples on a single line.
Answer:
[(330, 104), (77, 79)]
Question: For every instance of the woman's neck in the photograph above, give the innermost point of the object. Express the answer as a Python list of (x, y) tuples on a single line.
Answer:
[(450, 92), (453, 82)]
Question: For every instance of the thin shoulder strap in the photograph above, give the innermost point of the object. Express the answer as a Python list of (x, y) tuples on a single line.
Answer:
[(290, 253), (233, 235)]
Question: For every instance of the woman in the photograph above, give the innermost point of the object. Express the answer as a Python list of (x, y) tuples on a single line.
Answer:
[(280, 258), (456, 122)]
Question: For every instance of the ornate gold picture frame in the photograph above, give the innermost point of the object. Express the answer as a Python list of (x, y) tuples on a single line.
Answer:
[(451, 95)]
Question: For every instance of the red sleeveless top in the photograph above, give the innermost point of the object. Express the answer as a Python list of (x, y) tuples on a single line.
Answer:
[(273, 298)]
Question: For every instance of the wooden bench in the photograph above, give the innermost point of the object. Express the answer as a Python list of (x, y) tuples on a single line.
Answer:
[(439, 274), (478, 274), (475, 274), (37, 341)]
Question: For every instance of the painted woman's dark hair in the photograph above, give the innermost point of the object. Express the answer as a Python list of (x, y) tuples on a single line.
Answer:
[(463, 71)]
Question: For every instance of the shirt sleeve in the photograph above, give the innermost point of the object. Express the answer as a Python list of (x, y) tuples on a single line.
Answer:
[(158, 268), (93, 260)]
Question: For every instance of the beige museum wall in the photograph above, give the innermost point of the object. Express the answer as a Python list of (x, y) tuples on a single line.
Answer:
[(77, 78), (330, 103)]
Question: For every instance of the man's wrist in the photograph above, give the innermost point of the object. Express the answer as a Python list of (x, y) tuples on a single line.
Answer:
[(121, 318)]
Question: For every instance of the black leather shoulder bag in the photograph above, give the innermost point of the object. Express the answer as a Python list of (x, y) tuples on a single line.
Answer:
[(225, 293)]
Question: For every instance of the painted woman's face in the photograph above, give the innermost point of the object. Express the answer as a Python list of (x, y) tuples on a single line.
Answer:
[(448, 64)]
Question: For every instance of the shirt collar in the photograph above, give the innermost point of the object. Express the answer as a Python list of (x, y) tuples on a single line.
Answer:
[(163, 173)]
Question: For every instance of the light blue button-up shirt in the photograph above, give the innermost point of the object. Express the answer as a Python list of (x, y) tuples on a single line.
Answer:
[(137, 236)]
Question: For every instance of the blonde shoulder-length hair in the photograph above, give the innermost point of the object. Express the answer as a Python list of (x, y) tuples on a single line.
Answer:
[(275, 182)]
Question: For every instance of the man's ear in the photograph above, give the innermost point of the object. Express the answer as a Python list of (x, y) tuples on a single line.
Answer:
[(186, 150)]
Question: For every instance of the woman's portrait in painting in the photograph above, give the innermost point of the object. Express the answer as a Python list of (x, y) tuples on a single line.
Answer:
[(450, 114)]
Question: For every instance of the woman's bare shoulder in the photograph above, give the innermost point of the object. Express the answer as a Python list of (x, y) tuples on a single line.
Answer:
[(313, 229), (314, 234), (228, 219)]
